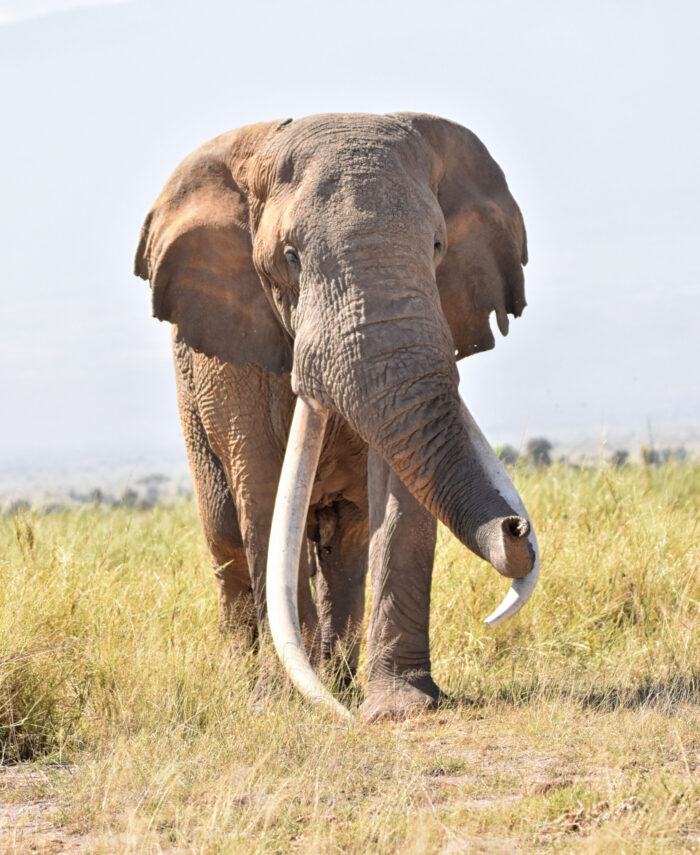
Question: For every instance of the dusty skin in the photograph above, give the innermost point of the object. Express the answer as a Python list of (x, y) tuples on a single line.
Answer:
[(346, 259), (126, 723)]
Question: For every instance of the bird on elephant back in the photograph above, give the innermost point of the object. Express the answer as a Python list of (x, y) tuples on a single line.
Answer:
[(323, 276)]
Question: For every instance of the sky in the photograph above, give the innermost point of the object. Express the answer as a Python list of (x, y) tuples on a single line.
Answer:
[(590, 109)]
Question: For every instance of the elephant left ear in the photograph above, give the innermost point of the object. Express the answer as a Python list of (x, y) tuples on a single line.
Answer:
[(486, 243), (196, 250)]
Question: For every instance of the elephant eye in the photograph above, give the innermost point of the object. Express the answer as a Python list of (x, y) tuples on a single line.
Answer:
[(292, 257), (437, 246)]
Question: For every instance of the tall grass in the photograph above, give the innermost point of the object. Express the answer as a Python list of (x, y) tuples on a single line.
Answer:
[(616, 618), (575, 725)]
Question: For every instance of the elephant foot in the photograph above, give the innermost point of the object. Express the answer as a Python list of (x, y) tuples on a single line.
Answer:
[(402, 698), (241, 634), (236, 618)]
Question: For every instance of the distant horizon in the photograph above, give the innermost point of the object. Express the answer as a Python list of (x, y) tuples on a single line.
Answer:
[(169, 448), (569, 442)]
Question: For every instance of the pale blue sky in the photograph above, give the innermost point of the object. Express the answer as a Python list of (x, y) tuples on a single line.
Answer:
[(591, 110)]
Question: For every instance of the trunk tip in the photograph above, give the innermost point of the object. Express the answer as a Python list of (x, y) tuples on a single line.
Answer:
[(505, 543), (515, 526)]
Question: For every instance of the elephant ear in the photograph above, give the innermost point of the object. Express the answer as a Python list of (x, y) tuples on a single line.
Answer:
[(486, 243), (196, 250)]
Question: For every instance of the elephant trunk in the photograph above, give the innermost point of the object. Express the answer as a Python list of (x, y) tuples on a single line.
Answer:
[(390, 371), (441, 455)]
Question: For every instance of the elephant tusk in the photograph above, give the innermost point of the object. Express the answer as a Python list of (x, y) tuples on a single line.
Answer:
[(518, 594), (520, 589), (286, 537)]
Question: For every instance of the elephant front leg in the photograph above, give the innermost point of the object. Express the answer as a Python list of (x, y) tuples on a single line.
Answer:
[(216, 511), (340, 551), (402, 548)]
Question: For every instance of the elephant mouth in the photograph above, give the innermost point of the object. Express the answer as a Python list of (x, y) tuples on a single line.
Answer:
[(512, 547)]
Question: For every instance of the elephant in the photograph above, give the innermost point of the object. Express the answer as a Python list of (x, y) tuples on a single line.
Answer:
[(322, 277)]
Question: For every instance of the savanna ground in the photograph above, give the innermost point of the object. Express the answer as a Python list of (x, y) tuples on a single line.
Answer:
[(126, 722)]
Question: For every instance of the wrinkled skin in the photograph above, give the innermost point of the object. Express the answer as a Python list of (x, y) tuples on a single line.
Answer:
[(349, 259)]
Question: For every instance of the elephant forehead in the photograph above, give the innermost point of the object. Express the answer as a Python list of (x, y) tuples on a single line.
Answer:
[(327, 149), (382, 204)]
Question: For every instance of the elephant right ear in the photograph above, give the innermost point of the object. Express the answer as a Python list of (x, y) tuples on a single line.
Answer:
[(196, 250), (481, 271)]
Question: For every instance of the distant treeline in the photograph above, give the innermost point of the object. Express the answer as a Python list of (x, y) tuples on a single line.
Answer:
[(538, 452), (143, 494)]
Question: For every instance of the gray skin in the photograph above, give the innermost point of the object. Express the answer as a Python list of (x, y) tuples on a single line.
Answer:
[(350, 259)]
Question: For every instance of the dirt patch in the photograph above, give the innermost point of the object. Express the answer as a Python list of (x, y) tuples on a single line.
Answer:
[(481, 802), (483, 846), (585, 819), (30, 822)]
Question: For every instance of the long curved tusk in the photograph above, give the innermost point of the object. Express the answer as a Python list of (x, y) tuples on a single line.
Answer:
[(286, 538), (520, 589)]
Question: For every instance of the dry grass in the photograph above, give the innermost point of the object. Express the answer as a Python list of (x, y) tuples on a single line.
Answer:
[(126, 723)]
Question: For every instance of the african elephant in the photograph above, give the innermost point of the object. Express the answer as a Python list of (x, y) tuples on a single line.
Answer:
[(327, 273)]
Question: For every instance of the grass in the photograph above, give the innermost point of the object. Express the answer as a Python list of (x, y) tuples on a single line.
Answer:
[(126, 722)]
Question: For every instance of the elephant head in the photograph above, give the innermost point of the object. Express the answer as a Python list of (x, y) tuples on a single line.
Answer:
[(363, 254)]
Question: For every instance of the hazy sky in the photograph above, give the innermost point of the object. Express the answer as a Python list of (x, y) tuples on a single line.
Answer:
[(591, 110)]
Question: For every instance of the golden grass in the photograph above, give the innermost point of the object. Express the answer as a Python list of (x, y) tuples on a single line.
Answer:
[(575, 727)]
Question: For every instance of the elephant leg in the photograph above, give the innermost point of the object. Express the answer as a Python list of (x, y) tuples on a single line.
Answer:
[(402, 549), (218, 517), (340, 546), (255, 475), (254, 472), (246, 414), (255, 511)]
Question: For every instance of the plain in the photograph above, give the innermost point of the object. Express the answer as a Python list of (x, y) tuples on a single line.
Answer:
[(127, 722)]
